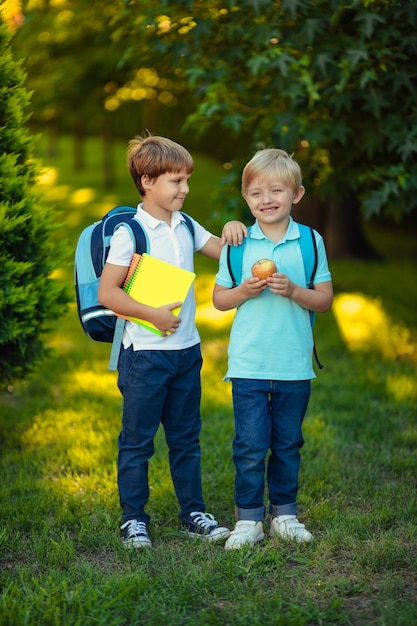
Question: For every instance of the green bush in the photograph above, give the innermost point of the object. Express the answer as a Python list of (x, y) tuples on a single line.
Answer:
[(30, 299)]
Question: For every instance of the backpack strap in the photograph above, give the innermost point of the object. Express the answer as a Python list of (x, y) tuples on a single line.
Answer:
[(234, 262), (189, 223), (141, 243), (116, 343), (308, 246)]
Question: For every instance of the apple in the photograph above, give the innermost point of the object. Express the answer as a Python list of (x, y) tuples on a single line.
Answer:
[(263, 268)]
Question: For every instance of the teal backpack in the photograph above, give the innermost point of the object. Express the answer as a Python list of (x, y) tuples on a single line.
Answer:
[(308, 247), (93, 246)]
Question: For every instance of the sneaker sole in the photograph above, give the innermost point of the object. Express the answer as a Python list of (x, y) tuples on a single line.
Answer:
[(289, 538), (131, 543)]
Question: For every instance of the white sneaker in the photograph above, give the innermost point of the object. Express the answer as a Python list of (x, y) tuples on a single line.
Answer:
[(246, 533), (288, 527)]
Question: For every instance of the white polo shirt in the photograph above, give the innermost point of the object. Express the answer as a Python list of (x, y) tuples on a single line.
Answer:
[(271, 336), (172, 243)]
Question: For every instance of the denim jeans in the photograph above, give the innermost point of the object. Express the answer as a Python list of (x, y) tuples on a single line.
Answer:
[(268, 417), (159, 387)]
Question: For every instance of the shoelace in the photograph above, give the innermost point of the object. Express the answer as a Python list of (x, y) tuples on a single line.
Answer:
[(134, 528), (205, 520)]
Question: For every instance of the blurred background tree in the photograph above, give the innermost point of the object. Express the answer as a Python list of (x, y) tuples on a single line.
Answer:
[(331, 82), (30, 299)]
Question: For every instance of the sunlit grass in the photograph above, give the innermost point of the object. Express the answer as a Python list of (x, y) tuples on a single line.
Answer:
[(402, 387), (364, 325), (207, 314), (61, 561), (102, 383)]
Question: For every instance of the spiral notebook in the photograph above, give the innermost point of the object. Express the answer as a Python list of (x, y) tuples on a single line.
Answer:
[(155, 282)]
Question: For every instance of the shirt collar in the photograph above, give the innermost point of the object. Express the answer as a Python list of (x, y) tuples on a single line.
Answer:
[(153, 222), (292, 231)]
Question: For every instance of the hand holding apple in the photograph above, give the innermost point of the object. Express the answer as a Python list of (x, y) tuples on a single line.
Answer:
[(264, 268)]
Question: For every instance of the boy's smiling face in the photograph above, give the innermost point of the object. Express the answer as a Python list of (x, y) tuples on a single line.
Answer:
[(165, 194), (270, 200)]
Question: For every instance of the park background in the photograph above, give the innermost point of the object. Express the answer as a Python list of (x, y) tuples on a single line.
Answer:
[(99, 73)]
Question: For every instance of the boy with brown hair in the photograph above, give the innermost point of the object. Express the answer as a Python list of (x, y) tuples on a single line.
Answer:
[(159, 377)]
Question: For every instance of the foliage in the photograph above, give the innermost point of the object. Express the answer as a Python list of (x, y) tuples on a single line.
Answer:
[(82, 74), (61, 559), (29, 298), (67, 69), (332, 82)]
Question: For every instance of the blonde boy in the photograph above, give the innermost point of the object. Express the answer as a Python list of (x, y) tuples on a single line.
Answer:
[(270, 350)]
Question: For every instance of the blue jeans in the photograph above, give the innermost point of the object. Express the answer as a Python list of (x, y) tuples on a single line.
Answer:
[(268, 416), (159, 387)]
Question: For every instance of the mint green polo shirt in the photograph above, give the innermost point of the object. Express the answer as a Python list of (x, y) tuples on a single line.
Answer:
[(271, 336)]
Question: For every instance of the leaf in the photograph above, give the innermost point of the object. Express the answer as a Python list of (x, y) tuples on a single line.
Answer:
[(311, 27), (234, 122), (291, 6), (357, 55), (283, 63), (408, 148), (369, 76), (258, 5), (369, 21), (257, 63), (322, 60)]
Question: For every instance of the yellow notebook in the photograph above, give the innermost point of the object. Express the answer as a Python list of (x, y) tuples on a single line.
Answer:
[(155, 282)]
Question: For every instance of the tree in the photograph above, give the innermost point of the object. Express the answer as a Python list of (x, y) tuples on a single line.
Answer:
[(332, 82), (84, 81), (30, 299), (66, 49)]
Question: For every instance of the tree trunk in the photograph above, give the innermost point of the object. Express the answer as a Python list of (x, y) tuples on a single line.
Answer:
[(52, 138), (340, 224), (78, 148), (150, 115), (109, 174), (343, 233)]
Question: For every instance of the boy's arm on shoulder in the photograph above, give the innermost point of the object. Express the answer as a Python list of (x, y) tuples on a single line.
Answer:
[(233, 233), (212, 248)]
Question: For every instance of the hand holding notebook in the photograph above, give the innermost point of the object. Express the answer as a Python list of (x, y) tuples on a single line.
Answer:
[(156, 283)]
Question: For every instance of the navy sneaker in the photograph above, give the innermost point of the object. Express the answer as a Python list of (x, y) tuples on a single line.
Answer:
[(204, 526), (135, 534)]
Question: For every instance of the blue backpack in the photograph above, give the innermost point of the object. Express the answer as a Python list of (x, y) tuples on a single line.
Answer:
[(308, 247), (99, 323)]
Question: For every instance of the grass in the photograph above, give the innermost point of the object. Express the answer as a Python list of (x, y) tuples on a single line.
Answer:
[(61, 561)]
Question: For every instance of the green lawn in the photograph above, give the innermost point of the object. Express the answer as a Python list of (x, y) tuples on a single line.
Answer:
[(61, 560)]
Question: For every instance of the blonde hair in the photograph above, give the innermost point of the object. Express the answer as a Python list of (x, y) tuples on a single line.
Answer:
[(153, 156), (272, 162)]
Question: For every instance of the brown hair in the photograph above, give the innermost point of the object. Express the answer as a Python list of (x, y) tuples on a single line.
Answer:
[(153, 156), (272, 162)]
